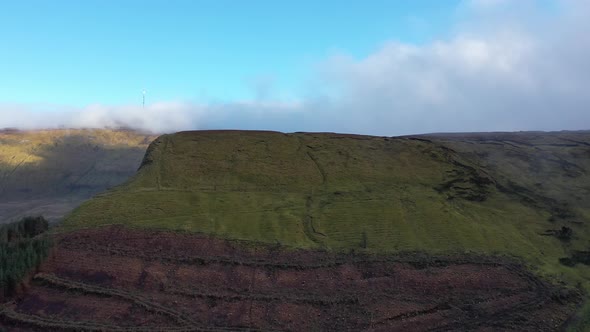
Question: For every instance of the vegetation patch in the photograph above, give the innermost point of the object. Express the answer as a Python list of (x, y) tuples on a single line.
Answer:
[(577, 257), (23, 247), (187, 282)]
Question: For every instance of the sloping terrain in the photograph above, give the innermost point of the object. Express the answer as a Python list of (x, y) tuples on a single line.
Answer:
[(117, 279), (507, 194), (428, 232), (49, 172)]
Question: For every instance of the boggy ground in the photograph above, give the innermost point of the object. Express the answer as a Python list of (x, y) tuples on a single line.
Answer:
[(116, 279)]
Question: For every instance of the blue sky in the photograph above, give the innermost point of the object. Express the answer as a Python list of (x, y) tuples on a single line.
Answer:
[(369, 67), (82, 52)]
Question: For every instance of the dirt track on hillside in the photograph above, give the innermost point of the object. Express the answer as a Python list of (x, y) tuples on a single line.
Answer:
[(121, 280)]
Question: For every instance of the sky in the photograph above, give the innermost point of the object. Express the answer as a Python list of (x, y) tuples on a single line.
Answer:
[(368, 67)]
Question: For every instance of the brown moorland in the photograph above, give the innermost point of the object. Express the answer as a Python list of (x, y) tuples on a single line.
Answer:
[(116, 279)]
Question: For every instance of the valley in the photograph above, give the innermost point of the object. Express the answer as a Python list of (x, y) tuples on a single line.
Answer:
[(50, 172)]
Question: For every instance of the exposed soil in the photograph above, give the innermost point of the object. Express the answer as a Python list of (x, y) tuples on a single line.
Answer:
[(129, 280)]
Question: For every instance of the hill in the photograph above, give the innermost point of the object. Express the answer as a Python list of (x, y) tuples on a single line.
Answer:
[(524, 195), (49, 172), (240, 231)]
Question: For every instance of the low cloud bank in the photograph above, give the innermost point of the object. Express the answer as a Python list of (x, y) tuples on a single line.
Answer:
[(158, 117), (508, 65)]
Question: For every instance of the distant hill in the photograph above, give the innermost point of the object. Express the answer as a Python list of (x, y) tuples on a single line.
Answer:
[(49, 172), (525, 195)]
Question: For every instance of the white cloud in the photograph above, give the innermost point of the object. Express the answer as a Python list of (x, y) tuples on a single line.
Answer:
[(496, 75), (158, 117), (508, 65)]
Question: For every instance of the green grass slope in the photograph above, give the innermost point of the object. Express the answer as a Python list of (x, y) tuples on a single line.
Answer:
[(504, 194), (49, 172)]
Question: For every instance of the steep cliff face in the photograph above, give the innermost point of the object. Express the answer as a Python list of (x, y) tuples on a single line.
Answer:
[(518, 194)]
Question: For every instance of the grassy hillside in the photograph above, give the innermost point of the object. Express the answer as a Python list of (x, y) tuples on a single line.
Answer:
[(50, 172), (523, 195)]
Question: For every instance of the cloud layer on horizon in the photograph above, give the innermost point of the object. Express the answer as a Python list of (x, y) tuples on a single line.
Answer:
[(506, 66)]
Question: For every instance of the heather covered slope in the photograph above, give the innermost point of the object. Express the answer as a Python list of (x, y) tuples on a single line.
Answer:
[(507, 194), (49, 172), (121, 279)]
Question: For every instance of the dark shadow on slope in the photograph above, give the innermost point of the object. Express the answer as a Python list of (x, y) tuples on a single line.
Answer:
[(545, 170), (71, 170)]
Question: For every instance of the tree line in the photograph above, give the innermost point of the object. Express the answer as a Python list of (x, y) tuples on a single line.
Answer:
[(24, 245)]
